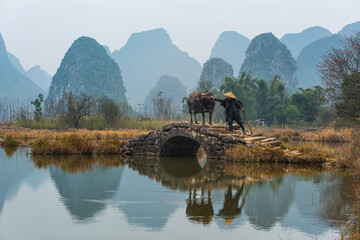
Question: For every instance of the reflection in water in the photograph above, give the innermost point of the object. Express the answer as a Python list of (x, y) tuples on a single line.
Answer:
[(81, 191), (269, 201), (76, 163), (9, 151), (180, 167), (231, 207), (12, 172), (148, 192), (200, 209), (82, 181)]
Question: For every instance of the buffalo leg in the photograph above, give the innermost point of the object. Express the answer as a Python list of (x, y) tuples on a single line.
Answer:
[(191, 121), (210, 117), (195, 116), (203, 122)]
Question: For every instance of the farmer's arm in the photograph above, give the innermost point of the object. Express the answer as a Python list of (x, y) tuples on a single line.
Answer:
[(218, 99), (240, 105)]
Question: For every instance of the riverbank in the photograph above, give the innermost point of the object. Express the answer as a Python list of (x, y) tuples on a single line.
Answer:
[(78, 142), (312, 135)]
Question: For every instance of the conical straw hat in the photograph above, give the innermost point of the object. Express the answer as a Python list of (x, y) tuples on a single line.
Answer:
[(228, 221), (230, 95)]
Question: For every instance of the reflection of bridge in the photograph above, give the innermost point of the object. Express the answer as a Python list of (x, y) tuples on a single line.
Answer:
[(184, 173), (184, 139)]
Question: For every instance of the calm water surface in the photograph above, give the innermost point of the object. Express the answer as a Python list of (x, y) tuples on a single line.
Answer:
[(167, 198)]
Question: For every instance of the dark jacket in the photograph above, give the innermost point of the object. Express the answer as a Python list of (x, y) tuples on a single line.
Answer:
[(232, 107)]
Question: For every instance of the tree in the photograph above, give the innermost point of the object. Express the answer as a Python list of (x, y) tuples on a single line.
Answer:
[(108, 109), (277, 101), (340, 72), (38, 110), (309, 102), (291, 113), (162, 106), (78, 106)]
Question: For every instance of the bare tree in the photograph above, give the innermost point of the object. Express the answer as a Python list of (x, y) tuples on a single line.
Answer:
[(340, 71), (78, 106), (162, 106)]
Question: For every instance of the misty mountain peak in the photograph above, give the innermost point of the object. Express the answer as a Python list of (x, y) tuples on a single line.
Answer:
[(231, 47), (262, 41), (350, 29), (87, 68), (3, 53), (36, 68), (297, 41), (14, 84), (148, 55), (267, 57), (157, 36)]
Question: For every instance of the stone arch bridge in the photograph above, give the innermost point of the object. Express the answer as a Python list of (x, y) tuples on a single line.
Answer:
[(185, 139)]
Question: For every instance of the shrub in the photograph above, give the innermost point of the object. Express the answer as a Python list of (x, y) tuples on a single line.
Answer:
[(110, 147), (9, 142)]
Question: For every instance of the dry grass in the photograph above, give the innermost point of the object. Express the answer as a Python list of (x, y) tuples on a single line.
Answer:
[(113, 146), (351, 157), (324, 135), (75, 144), (27, 135), (273, 155), (286, 133), (328, 135)]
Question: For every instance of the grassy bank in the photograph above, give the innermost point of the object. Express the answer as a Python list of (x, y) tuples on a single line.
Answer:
[(323, 135), (74, 144), (94, 123), (27, 136), (273, 155)]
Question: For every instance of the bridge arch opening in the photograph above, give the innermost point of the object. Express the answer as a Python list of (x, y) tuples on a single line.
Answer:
[(180, 146)]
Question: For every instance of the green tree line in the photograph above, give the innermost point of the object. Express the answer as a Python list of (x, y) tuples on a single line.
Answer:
[(270, 102)]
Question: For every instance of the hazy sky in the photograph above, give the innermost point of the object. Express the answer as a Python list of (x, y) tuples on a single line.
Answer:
[(41, 31)]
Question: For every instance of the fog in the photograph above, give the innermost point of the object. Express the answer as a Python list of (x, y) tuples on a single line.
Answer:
[(41, 31)]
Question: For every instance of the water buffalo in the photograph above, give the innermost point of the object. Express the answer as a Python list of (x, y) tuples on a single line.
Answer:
[(201, 102)]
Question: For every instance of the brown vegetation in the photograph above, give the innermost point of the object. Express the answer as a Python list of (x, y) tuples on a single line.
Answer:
[(9, 142), (272, 155), (74, 144), (324, 135), (28, 135), (328, 135)]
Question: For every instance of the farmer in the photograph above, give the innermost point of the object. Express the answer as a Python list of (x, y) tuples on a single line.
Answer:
[(232, 110)]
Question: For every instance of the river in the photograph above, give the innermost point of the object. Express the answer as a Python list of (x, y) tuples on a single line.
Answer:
[(167, 198)]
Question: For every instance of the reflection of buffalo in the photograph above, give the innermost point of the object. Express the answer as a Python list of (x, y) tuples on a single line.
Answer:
[(199, 210), (201, 102)]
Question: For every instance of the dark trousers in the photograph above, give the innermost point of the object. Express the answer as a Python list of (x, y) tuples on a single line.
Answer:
[(237, 119)]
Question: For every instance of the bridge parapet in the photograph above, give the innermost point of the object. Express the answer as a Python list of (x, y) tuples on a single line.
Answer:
[(184, 139)]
